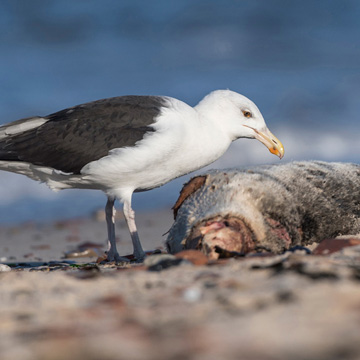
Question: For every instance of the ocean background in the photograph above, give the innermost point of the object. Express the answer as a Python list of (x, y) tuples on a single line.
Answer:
[(299, 61)]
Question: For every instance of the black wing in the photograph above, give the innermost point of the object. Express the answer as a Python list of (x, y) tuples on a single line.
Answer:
[(73, 137)]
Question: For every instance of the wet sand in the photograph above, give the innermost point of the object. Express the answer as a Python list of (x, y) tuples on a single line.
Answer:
[(290, 306)]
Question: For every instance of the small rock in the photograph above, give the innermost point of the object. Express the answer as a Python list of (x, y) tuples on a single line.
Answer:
[(84, 253), (114, 301), (268, 262), (194, 256), (192, 294), (155, 259), (329, 246), (4, 268), (162, 261), (86, 271)]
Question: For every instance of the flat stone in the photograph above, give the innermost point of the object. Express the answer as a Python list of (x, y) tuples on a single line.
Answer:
[(329, 246), (4, 268)]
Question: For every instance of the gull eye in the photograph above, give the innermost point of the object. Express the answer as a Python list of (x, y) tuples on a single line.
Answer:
[(247, 113)]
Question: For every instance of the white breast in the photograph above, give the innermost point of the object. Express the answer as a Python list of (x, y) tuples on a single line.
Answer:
[(183, 142)]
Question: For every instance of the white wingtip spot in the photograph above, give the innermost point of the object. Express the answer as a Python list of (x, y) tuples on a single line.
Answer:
[(21, 126)]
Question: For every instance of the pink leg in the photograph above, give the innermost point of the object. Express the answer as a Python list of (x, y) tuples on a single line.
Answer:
[(129, 214)]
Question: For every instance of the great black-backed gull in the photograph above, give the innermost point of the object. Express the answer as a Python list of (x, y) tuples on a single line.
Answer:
[(127, 144)]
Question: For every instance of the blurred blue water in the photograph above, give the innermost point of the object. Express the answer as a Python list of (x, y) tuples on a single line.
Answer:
[(298, 60)]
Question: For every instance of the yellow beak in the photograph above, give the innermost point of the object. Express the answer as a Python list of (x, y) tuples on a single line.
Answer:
[(270, 141)]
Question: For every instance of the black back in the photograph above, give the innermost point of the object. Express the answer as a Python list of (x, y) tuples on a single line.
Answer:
[(73, 137)]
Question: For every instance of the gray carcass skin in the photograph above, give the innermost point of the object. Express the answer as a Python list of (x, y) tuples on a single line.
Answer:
[(266, 208)]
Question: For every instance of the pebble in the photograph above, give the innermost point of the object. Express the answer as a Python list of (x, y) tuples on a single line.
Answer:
[(192, 294), (4, 268), (162, 261), (155, 259)]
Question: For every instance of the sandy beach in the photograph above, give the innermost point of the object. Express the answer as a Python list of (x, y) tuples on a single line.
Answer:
[(34, 242), (290, 306)]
